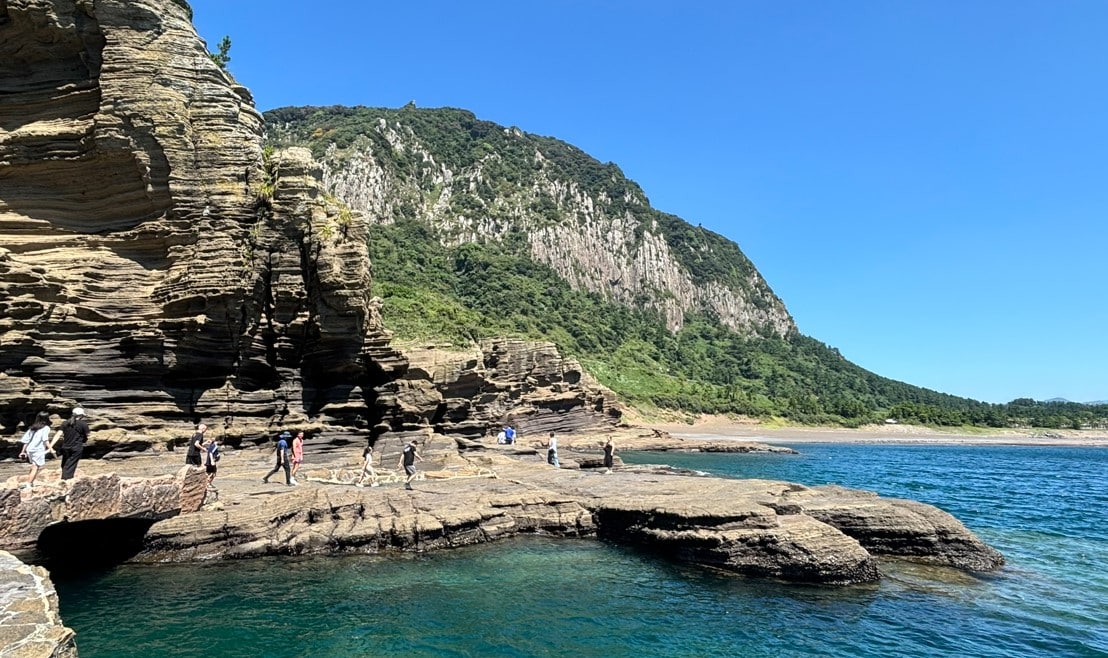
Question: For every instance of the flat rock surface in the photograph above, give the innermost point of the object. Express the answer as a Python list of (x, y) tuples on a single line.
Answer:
[(484, 492)]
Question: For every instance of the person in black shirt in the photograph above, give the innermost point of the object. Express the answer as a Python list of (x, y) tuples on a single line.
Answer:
[(73, 435), (407, 460), (196, 446), (609, 454)]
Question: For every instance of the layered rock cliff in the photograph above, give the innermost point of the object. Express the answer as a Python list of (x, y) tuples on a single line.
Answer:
[(158, 266), (155, 265)]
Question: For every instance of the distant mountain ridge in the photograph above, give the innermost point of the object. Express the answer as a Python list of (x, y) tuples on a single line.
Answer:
[(472, 181)]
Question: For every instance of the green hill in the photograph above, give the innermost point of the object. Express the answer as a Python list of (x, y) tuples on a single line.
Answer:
[(480, 230)]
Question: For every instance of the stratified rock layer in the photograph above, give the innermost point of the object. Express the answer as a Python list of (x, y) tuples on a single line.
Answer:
[(25, 513), (29, 622), (751, 527), (156, 266), (526, 384)]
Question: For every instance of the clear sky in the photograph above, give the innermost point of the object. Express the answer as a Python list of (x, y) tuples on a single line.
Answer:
[(924, 183)]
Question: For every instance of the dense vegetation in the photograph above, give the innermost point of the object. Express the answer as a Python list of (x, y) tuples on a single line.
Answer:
[(485, 289), (478, 290)]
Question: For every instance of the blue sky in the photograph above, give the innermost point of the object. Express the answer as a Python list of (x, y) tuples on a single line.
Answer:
[(925, 184)]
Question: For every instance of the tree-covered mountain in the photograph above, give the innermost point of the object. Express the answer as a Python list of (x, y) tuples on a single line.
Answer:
[(479, 230)]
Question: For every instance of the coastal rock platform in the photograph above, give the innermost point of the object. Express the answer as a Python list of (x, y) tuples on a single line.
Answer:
[(480, 493), (469, 493)]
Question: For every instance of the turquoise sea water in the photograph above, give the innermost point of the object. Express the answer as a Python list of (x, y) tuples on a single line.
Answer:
[(1045, 508)]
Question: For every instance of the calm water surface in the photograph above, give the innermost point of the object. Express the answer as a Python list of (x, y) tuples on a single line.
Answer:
[(1045, 508)]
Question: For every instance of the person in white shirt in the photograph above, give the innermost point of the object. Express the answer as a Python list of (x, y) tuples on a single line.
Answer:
[(36, 442)]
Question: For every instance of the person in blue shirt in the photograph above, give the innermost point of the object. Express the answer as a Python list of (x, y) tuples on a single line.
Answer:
[(509, 434), (282, 460)]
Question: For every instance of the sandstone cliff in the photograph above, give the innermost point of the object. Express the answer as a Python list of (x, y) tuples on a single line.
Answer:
[(159, 267), (155, 265)]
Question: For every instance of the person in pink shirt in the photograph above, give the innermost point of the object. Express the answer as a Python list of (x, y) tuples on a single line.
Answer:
[(297, 454)]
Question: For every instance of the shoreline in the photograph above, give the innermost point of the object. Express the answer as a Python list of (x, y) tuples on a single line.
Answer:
[(716, 428)]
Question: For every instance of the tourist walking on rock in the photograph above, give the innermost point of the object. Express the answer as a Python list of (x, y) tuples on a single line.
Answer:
[(367, 467), (196, 447), (73, 435), (552, 452), (35, 446), (211, 456), (297, 454), (609, 455), (282, 461), (408, 459)]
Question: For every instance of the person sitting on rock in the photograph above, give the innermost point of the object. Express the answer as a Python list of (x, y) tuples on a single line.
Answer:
[(502, 437), (35, 446), (509, 435)]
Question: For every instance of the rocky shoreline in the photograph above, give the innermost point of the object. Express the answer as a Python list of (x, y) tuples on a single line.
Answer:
[(472, 493)]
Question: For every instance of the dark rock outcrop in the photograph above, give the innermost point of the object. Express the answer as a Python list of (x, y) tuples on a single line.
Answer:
[(157, 266)]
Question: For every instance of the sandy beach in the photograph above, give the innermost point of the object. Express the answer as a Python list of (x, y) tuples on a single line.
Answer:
[(715, 427)]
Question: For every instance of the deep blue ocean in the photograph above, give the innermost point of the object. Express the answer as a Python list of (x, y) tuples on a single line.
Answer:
[(1046, 509)]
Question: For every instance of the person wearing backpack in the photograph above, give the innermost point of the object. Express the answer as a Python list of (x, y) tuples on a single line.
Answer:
[(211, 456)]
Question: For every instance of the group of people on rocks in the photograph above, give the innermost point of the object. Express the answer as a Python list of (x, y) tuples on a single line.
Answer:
[(205, 451), (288, 457), (37, 442), (506, 436), (552, 453)]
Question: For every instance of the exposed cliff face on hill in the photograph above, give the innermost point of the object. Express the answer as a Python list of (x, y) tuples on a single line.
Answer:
[(154, 266), (475, 181)]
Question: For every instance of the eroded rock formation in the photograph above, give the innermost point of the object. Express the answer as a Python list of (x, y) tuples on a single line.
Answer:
[(156, 266), (750, 527), (527, 384), (25, 514), (29, 623)]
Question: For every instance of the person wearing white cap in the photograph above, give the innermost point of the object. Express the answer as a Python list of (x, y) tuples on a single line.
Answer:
[(73, 435)]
